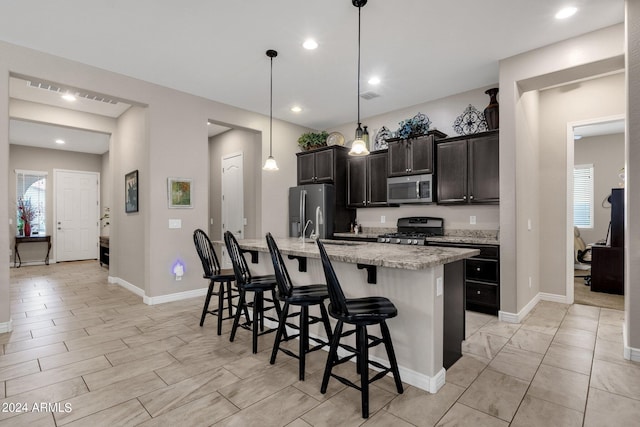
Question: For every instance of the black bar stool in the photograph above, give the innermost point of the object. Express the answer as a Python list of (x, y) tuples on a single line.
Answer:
[(304, 297), (256, 284), (360, 312), (214, 274)]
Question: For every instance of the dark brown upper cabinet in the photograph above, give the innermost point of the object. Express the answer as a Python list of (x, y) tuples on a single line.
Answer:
[(321, 165), (413, 156), (467, 169), (367, 180)]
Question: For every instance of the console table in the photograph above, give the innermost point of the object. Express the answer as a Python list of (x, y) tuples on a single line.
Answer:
[(17, 262)]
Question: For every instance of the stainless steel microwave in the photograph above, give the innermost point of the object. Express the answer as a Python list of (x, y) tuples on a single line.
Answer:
[(410, 189)]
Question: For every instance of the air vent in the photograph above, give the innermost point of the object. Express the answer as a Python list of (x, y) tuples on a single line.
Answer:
[(369, 95), (79, 94)]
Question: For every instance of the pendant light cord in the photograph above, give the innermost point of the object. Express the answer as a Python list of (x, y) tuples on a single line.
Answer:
[(358, 94), (271, 110)]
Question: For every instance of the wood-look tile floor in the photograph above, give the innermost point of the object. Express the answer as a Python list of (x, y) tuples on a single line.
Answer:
[(87, 353)]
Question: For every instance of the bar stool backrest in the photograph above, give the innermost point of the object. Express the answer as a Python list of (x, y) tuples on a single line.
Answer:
[(336, 296), (240, 267), (207, 254), (282, 275)]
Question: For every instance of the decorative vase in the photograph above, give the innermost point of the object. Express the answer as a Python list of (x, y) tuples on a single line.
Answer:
[(27, 229), (492, 112)]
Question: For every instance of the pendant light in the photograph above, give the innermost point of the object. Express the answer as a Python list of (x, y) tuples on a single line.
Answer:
[(359, 146), (270, 164)]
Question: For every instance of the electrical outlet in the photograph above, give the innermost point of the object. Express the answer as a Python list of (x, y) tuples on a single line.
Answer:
[(472, 219), (383, 219), (211, 219), (439, 286), (244, 221), (10, 221)]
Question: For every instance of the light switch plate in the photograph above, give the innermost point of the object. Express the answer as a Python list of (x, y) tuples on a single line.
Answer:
[(175, 223), (383, 219)]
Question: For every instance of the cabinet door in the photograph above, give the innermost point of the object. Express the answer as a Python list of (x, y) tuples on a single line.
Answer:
[(398, 162), (324, 166), (377, 179), (452, 172), (421, 155), (356, 182), (484, 171), (306, 168)]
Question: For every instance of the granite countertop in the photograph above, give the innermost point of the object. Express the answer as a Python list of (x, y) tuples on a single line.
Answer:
[(464, 239), (478, 237), (369, 253)]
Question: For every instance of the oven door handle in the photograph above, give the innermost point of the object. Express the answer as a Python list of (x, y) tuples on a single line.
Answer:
[(417, 190)]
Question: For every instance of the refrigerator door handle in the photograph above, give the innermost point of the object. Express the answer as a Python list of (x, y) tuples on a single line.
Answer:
[(303, 203)]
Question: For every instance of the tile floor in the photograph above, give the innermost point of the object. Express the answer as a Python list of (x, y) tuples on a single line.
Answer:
[(95, 355)]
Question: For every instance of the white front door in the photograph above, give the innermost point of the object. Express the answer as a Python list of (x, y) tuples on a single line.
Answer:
[(76, 215), (232, 199)]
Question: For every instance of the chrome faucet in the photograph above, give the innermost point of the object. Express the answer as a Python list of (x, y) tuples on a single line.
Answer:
[(304, 230), (319, 220)]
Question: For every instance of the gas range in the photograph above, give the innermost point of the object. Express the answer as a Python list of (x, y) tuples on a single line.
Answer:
[(414, 231)]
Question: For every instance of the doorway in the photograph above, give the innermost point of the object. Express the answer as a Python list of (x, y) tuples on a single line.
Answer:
[(596, 146), (76, 214)]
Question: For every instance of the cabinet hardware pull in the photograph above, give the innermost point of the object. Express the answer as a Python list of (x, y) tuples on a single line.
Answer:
[(471, 197), (478, 269), (478, 292)]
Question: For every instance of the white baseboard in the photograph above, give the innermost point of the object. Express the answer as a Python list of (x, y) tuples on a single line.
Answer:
[(562, 299), (518, 317), (159, 299), (178, 296), (630, 353), (6, 326)]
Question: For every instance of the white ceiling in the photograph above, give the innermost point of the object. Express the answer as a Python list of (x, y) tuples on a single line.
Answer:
[(45, 135), (422, 50)]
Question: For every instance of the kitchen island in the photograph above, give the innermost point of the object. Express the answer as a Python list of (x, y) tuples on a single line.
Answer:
[(426, 283)]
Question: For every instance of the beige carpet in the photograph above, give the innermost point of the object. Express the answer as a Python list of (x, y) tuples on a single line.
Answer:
[(582, 294)]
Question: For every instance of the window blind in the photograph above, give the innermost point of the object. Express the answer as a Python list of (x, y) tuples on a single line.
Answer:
[(31, 187), (583, 196)]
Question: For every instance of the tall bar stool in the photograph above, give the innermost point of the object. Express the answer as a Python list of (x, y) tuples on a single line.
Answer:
[(304, 297), (214, 274), (360, 312), (256, 284)]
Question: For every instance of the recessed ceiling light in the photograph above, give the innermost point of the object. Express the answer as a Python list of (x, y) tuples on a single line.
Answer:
[(310, 44), (59, 141), (374, 81), (68, 97), (296, 109), (566, 12)]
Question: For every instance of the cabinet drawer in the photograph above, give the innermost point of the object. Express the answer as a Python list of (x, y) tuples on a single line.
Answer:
[(492, 252), (482, 294), (480, 269)]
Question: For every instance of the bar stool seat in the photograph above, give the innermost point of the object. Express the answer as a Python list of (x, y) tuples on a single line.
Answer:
[(360, 312), (303, 296), (215, 275), (246, 282)]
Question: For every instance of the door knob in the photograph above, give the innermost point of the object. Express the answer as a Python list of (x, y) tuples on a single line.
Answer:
[(59, 228), (239, 231)]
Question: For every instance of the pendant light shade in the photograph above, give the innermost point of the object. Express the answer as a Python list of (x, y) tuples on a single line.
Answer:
[(270, 164), (359, 146)]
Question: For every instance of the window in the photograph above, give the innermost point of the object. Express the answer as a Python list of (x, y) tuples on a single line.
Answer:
[(31, 190), (583, 196)]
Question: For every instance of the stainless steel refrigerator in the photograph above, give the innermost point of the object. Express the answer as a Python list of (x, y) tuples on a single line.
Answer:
[(312, 206)]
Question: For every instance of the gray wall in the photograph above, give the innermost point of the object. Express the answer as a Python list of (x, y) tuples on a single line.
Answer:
[(521, 186), (606, 154), (46, 160)]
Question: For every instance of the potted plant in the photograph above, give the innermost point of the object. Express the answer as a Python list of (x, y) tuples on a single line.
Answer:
[(312, 140)]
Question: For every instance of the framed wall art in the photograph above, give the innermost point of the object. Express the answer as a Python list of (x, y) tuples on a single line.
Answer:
[(131, 192), (179, 192)]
